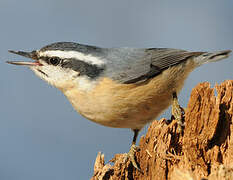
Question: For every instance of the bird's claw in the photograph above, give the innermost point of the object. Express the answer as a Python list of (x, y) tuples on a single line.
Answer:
[(131, 156), (178, 114)]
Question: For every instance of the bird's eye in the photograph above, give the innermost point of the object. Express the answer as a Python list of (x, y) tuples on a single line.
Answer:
[(54, 61)]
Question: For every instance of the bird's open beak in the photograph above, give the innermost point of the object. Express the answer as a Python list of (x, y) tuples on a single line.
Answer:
[(31, 55)]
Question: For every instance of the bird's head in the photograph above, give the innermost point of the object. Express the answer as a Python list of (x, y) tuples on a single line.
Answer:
[(65, 64)]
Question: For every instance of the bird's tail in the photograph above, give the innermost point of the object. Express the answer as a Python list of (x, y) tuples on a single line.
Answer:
[(211, 57)]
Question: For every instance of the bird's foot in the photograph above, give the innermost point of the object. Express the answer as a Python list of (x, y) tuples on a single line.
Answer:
[(131, 156), (178, 114)]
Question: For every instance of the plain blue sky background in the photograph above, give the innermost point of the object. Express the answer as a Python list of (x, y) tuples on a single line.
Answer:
[(41, 136)]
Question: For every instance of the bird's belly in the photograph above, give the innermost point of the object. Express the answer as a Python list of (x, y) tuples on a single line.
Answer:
[(127, 105), (122, 109)]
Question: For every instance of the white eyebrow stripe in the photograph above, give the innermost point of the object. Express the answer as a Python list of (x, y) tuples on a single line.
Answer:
[(72, 54)]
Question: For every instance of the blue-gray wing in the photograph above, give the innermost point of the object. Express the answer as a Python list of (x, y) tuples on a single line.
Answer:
[(129, 65)]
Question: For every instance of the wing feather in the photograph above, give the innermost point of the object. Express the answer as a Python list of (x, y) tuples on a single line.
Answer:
[(165, 58), (128, 65)]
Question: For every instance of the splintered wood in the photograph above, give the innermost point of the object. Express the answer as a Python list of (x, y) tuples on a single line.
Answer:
[(203, 151)]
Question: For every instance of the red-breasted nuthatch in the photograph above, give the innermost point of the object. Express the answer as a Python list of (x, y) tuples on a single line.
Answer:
[(118, 87)]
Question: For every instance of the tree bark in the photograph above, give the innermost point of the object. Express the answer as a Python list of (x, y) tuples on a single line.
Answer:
[(203, 151)]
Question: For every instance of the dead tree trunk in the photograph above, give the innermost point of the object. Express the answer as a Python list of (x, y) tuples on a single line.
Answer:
[(203, 151)]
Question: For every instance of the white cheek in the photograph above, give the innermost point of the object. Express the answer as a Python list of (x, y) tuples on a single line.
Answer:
[(60, 78), (56, 75)]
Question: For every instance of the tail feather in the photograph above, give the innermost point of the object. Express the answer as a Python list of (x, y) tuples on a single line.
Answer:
[(212, 57)]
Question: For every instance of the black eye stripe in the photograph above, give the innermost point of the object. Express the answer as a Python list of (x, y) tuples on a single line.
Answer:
[(82, 67)]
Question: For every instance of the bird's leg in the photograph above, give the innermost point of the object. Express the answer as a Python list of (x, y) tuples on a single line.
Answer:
[(132, 151), (177, 112)]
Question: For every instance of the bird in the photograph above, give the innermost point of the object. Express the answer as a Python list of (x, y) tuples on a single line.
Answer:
[(118, 87)]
